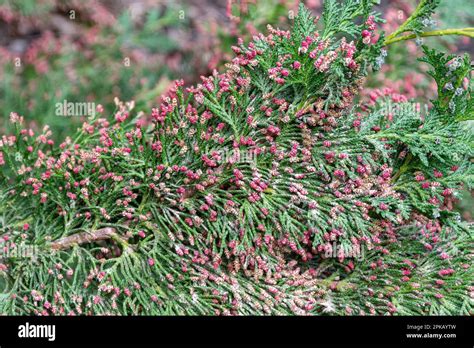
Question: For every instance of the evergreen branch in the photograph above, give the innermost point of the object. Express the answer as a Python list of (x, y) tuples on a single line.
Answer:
[(328, 181)]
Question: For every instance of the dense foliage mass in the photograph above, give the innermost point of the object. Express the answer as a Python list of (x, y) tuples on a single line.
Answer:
[(263, 190)]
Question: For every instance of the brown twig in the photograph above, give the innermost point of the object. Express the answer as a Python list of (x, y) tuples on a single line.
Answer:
[(87, 237)]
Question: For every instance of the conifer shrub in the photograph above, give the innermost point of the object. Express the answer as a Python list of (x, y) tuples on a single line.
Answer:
[(266, 189)]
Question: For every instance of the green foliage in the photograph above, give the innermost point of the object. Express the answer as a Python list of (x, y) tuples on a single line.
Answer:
[(167, 219), (339, 16), (452, 75), (304, 23)]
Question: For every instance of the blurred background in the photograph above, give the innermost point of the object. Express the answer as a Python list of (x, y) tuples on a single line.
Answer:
[(95, 50)]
